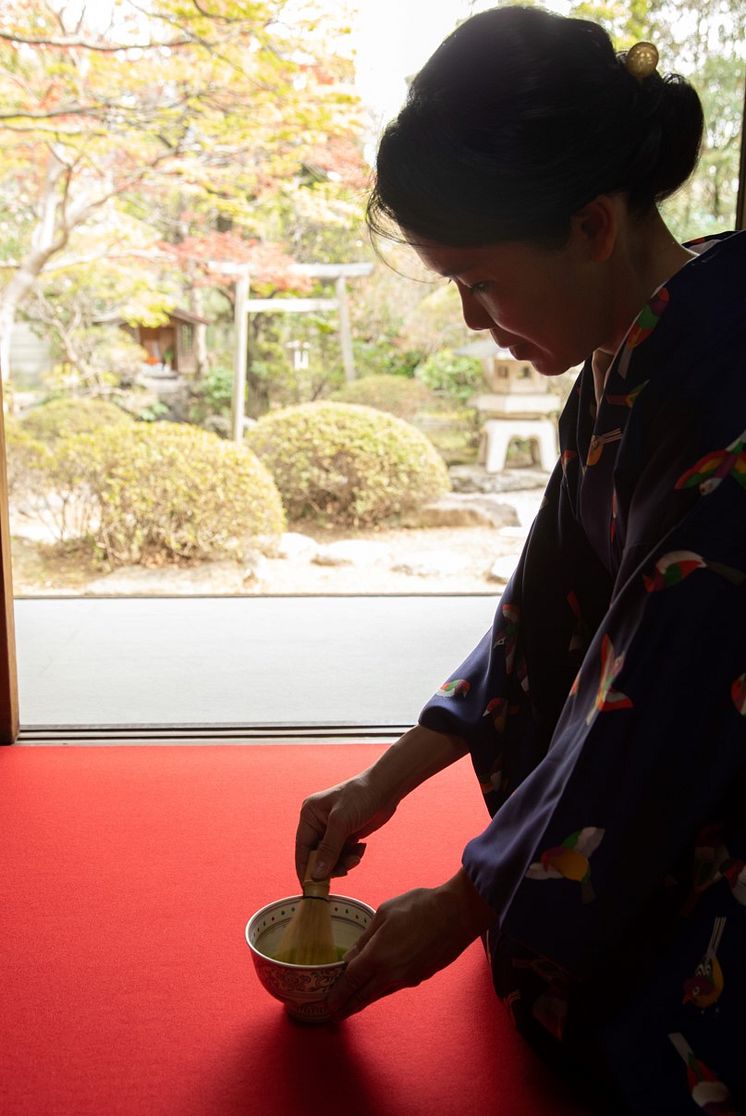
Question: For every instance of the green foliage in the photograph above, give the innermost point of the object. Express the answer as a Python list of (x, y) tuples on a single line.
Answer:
[(454, 431), (457, 377), (273, 380), (398, 395), (346, 464), (212, 394), (384, 358), (152, 494), (26, 459), (153, 412), (61, 418)]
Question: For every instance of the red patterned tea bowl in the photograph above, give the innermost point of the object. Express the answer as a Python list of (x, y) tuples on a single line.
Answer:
[(303, 988)]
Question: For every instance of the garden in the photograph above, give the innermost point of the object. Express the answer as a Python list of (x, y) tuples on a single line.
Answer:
[(126, 221), (320, 497)]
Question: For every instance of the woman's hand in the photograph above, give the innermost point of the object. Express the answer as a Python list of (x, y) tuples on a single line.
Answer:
[(334, 821), (410, 939)]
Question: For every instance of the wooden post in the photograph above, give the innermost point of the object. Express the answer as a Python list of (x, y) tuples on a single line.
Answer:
[(345, 333), (240, 361), (741, 199), (8, 668)]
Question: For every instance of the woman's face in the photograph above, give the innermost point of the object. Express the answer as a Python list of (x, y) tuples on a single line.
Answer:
[(545, 305)]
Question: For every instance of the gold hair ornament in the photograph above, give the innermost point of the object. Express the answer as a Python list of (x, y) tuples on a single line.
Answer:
[(641, 60)]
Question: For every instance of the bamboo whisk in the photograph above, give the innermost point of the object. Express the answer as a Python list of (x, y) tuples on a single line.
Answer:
[(308, 938)]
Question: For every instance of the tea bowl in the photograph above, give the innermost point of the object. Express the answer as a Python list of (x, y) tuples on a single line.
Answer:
[(303, 988)]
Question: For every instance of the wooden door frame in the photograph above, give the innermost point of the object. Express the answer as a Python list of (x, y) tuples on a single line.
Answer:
[(741, 199), (9, 717)]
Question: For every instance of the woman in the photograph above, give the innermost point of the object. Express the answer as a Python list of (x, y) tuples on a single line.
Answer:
[(604, 711)]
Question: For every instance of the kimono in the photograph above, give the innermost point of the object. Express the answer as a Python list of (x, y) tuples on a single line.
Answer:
[(605, 713)]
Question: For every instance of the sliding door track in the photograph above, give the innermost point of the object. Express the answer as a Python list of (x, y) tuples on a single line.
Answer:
[(101, 735)]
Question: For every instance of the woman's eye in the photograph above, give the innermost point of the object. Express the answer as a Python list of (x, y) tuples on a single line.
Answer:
[(478, 288)]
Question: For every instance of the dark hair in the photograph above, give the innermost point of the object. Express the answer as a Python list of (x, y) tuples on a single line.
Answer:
[(518, 120)]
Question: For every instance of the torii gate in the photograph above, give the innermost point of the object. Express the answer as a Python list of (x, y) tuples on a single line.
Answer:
[(245, 306)]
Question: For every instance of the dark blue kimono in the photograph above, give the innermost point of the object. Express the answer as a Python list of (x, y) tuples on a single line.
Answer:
[(606, 716)]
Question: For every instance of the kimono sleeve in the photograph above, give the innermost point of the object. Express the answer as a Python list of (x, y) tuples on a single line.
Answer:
[(505, 698)]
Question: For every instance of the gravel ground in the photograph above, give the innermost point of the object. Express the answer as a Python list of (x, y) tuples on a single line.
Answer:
[(412, 560)]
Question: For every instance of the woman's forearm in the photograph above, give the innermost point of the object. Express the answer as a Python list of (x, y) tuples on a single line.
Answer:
[(415, 757)]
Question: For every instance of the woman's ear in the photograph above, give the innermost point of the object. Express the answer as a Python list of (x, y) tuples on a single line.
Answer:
[(595, 227)]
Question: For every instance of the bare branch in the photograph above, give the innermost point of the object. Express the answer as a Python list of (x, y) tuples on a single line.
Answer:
[(134, 254), (214, 15), (96, 109), (67, 41)]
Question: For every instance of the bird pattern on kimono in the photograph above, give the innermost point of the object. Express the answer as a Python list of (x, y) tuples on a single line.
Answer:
[(674, 567), (599, 442), (712, 469), (705, 987), (706, 1090), (570, 860), (506, 635), (643, 326), (738, 693), (734, 871), (607, 698), (628, 399), (456, 687)]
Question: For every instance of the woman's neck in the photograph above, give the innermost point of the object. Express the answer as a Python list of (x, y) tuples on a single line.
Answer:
[(647, 255)]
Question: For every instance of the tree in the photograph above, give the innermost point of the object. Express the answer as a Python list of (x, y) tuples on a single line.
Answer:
[(704, 41), (143, 115)]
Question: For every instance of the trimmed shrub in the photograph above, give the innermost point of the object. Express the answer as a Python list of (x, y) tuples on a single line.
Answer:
[(447, 373), (398, 395), (152, 494), (26, 461), (346, 464), (61, 418)]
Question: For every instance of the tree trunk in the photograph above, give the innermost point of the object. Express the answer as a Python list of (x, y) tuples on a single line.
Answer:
[(46, 240)]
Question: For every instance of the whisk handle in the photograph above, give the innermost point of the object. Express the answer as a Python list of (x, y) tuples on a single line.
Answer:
[(314, 889)]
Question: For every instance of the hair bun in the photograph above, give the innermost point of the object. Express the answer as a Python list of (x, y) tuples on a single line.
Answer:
[(672, 123)]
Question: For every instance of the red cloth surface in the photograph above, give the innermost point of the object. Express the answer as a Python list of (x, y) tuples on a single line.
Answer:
[(127, 875)]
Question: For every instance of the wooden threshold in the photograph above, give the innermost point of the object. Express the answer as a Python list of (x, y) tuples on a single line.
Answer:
[(205, 734)]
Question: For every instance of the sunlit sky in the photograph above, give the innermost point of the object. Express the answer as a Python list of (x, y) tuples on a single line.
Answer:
[(394, 38)]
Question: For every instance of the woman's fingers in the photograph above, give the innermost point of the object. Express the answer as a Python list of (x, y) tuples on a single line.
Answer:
[(333, 822), (332, 846), (410, 938), (350, 858), (361, 984)]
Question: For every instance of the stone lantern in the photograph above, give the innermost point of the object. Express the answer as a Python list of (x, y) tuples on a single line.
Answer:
[(517, 406)]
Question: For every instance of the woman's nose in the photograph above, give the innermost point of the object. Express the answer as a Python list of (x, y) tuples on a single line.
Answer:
[(474, 313)]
